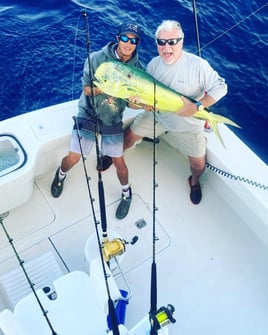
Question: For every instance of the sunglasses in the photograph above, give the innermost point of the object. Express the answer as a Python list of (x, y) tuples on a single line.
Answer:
[(171, 41), (125, 39)]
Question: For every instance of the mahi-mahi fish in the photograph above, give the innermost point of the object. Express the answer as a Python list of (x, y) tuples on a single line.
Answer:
[(123, 81)]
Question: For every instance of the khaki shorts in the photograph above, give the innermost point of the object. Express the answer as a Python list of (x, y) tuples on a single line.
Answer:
[(191, 144)]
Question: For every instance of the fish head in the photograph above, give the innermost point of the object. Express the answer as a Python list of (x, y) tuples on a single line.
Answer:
[(110, 79)]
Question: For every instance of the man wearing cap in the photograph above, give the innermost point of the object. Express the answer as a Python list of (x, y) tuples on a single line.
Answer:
[(107, 114)]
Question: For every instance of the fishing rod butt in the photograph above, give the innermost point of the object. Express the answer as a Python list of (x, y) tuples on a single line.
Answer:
[(153, 307), (113, 317)]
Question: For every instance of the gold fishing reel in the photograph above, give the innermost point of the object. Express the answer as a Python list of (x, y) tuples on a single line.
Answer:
[(113, 248)]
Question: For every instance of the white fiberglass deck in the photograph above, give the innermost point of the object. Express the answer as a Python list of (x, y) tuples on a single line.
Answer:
[(210, 264)]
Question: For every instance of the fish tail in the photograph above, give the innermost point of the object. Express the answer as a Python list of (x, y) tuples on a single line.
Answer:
[(214, 126), (214, 119)]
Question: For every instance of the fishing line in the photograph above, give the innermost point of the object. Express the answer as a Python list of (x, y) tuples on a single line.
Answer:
[(21, 263), (208, 165), (235, 25)]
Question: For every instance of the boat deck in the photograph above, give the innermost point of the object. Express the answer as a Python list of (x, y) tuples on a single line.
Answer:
[(210, 265)]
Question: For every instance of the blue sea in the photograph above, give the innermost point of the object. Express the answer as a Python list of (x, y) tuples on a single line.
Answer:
[(43, 48)]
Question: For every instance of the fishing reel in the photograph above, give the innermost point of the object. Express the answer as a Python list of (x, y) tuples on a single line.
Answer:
[(162, 317), (115, 247)]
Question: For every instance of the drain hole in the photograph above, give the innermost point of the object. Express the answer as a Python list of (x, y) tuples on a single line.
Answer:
[(140, 223)]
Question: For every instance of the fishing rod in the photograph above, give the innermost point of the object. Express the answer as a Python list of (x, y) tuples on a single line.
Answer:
[(196, 28), (21, 263), (106, 248), (161, 317), (97, 133), (116, 246), (111, 308), (153, 307)]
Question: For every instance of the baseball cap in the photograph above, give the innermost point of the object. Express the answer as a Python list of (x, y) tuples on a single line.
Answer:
[(131, 28)]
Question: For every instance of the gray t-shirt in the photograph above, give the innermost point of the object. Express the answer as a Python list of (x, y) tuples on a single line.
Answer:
[(192, 77)]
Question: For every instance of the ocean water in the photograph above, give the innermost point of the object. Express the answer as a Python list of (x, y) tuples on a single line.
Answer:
[(43, 48)]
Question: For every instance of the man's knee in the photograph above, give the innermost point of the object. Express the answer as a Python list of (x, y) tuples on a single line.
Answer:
[(197, 163)]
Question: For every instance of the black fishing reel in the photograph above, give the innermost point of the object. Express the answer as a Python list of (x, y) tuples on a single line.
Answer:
[(162, 317)]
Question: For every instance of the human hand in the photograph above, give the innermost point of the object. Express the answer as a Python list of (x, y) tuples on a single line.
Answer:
[(148, 108), (189, 108), (97, 91), (135, 102)]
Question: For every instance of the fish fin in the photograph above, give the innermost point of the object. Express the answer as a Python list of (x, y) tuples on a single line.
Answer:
[(214, 126), (214, 119), (223, 119)]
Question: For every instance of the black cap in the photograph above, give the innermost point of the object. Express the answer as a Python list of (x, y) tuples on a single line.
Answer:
[(131, 28)]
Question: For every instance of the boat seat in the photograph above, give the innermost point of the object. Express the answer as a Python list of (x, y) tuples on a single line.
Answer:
[(76, 303), (42, 272), (9, 325), (74, 310)]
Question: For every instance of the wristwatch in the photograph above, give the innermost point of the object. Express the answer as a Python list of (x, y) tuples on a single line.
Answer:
[(200, 107)]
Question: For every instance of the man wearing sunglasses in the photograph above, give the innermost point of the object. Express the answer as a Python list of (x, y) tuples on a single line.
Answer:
[(193, 77), (107, 115)]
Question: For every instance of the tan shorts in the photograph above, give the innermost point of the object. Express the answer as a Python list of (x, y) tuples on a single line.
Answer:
[(191, 144)]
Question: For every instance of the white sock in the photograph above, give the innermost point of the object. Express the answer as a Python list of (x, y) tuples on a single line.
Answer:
[(125, 190), (61, 174)]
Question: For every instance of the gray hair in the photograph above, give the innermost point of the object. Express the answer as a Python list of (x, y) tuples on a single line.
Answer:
[(169, 25)]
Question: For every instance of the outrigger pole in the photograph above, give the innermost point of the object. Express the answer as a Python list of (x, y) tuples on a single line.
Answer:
[(111, 308), (21, 263), (196, 28)]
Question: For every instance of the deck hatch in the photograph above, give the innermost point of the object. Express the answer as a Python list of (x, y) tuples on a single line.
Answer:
[(12, 154)]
